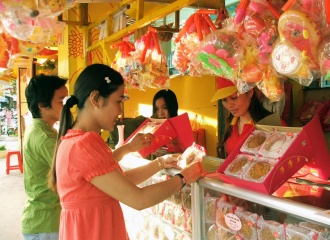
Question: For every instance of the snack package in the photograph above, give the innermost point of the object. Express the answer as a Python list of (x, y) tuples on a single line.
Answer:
[(185, 236), (225, 234), (270, 230), (44, 29), (18, 22), (168, 212), (323, 232), (176, 198), (196, 27), (324, 58), (296, 55), (212, 233), (123, 62), (178, 217), (188, 221), (150, 64), (192, 154), (272, 84), (155, 228), (293, 232), (256, 24), (210, 203), (239, 165), (249, 225), (186, 197), (224, 213), (259, 169), (253, 143), (220, 53), (276, 144)]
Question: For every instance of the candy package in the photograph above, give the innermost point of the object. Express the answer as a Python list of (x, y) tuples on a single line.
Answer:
[(196, 28), (220, 53), (150, 64)]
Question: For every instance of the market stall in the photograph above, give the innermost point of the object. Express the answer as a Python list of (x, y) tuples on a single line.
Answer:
[(261, 44)]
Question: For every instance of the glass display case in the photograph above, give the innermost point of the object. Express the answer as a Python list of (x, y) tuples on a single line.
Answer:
[(170, 219), (223, 211), (211, 209)]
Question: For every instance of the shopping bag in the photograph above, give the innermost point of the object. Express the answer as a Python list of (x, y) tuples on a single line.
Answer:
[(198, 131)]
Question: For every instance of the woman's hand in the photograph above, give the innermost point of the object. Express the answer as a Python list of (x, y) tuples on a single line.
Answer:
[(169, 161), (193, 172), (140, 140)]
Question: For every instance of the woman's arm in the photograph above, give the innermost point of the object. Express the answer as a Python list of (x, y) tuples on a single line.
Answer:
[(140, 174), (139, 141), (118, 186)]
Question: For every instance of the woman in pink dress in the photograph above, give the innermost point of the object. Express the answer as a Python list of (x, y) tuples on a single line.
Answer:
[(85, 172)]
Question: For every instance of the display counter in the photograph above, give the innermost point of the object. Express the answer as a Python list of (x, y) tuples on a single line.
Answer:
[(211, 209)]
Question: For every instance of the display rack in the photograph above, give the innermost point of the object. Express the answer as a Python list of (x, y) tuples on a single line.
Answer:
[(170, 219), (297, 210), (294, 210)]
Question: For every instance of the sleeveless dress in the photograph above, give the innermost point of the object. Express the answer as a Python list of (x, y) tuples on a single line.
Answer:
[(87, 212)]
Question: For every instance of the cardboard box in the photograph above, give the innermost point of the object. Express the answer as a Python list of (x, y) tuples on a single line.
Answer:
[(177, 129), (308, 147)]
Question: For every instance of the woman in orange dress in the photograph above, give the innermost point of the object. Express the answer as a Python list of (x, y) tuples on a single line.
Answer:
[(88, 179)]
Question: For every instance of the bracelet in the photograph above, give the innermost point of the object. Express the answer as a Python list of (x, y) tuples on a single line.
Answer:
[(183, 179), (159, 164)]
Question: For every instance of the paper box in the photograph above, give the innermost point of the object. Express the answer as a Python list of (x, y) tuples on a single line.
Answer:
[(177, 128), (309, 147)]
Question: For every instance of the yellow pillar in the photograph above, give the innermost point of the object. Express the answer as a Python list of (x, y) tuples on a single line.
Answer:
[(71, 50)]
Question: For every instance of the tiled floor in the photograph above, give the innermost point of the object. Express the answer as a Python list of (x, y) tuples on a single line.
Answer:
[(12, 198)]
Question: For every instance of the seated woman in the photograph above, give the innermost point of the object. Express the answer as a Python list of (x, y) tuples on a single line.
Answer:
[(165, 104)]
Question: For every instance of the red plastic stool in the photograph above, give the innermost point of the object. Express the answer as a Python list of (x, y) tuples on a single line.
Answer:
[(14, 167)]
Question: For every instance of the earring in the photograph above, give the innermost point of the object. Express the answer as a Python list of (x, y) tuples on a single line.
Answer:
[(96, 107)]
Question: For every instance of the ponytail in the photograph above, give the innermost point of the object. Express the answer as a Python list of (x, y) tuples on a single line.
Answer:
[(66, 121)]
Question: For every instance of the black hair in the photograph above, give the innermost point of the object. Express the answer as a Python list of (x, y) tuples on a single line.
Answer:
[(98, 77), (170, 101), (41, 90), (257, 112)]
